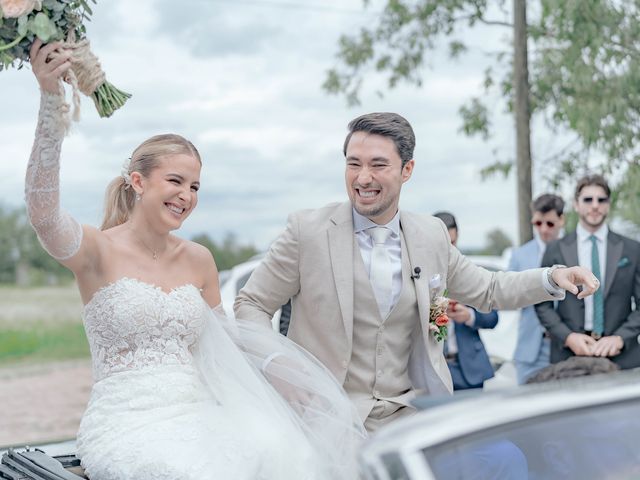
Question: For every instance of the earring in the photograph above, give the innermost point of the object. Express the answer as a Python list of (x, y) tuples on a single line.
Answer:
[(138, 196)]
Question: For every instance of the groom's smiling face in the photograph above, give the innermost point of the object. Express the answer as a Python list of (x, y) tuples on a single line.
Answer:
[(374, 176)]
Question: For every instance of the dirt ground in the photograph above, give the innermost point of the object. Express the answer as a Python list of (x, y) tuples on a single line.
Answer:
[(43, 403)]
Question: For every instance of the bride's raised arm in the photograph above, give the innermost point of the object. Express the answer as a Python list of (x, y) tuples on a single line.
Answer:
[(59, 233)]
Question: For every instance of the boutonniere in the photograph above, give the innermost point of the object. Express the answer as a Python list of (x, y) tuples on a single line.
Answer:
[(624, 261), (438, 319)]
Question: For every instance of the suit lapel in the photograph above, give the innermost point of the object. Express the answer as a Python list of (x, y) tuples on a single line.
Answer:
[(614, 253), (340, 236), (417, 243), (569, 249), (427, 368)]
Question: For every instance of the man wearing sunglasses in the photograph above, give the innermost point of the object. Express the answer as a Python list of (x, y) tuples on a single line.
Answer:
[(604, 325), (533, 345)]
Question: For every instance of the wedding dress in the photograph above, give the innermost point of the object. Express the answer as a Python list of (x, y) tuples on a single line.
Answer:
[(181, 391)]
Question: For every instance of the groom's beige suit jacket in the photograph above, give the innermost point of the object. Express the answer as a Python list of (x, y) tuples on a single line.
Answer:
[(312, 263)]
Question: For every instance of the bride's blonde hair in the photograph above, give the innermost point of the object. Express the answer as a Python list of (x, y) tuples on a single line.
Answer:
[(120, 197)]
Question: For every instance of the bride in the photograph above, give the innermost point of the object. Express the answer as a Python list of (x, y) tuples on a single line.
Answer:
[(180, 391)]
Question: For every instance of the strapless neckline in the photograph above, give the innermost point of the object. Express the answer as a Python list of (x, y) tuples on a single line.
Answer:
[(152, 287)]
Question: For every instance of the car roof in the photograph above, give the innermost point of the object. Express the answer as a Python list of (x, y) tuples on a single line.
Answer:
[(459, 417)]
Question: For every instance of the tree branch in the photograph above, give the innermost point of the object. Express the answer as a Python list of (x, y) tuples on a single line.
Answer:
[(484, 20), (496, 22)]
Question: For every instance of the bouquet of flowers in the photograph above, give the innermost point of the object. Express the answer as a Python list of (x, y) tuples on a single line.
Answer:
[(438, 318), (21, 21)]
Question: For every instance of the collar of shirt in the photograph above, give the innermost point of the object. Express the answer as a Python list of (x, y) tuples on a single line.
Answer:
[(541, 245), (584, 234), (362, 223), (393, 245)]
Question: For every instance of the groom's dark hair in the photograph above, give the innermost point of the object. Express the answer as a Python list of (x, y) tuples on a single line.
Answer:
[(387, 124)]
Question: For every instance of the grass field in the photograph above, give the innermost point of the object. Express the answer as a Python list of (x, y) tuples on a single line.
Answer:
[(41, 324)]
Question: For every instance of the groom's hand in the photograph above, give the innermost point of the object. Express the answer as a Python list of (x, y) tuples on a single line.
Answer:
[(571, 277)]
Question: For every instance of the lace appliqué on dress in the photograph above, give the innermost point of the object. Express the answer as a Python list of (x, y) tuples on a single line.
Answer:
[(145, 330), (59, 233)]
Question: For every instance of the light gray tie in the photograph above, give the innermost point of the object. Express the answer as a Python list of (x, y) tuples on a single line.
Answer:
[(381, 275)]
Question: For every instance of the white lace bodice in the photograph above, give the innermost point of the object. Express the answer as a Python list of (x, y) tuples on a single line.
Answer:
[(131, 325)]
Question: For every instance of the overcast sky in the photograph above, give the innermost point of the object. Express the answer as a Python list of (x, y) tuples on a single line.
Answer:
[(242, 80)]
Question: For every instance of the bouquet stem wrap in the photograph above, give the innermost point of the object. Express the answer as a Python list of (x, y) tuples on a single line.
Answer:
[(87, 76)]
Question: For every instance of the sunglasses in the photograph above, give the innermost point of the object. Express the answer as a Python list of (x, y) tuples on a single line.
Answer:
[(548, 223), (600, 200)]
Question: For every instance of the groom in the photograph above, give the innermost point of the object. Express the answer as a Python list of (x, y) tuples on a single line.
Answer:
[(362, 275)]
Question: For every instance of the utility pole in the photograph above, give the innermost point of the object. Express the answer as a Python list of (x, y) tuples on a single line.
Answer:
[(522, 119)]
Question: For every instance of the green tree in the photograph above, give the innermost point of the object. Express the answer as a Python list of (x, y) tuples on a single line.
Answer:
[(626, 200), (497, 242), (229, 253), (20, 250), (581, 74), (9, 250)]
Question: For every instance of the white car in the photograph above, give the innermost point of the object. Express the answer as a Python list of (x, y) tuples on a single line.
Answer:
[(500, 342), (231, 281), (586, 428)]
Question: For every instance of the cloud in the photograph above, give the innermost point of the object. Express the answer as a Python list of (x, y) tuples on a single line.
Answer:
[(208, 29), (243, 82)]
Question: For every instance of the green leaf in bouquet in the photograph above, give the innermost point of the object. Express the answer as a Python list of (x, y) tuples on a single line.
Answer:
[(50, 4), (86, 7), (23, 25), (43, 27)]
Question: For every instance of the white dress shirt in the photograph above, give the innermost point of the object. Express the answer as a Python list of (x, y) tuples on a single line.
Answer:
[(584, 260), (361, 225)]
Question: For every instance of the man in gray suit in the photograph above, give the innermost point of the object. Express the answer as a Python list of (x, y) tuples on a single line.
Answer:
[(363, 275), (532, 349), (604, 325)]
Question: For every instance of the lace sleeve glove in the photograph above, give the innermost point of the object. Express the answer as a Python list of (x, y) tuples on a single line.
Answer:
[(58, 232)]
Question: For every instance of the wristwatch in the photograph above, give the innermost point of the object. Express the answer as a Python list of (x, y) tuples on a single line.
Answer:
[(550, 271)]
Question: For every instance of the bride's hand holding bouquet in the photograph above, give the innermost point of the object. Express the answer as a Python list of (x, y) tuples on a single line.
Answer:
[(23, 22), (49, 68)]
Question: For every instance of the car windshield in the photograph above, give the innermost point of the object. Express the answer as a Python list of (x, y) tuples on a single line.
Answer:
[(595, 443)]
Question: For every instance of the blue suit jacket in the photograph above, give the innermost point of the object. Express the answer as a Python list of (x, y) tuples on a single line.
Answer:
[(529, 328), (472, 356)]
